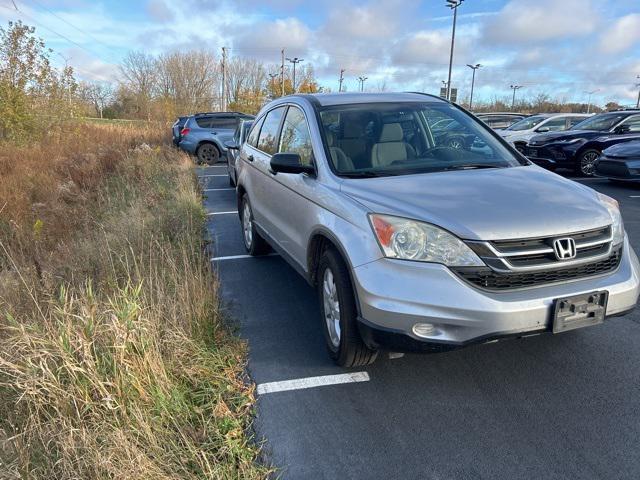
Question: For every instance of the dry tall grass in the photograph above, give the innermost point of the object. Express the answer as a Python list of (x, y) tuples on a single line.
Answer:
[(114, 362)]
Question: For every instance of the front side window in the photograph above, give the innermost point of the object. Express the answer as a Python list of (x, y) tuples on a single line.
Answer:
[(556, 124), (573, 121), (295, 137), (632, 124), (246, 126), (268, 139), (382, 139), (601, 123)]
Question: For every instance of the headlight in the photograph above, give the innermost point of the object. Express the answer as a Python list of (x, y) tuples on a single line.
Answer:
[(411, 240), (614, 210)]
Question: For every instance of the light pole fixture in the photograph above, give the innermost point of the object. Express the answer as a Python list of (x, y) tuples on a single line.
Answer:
[(362, 79), (295, 61), (453, 5), (589, 102), (514, 88), (473, 81)]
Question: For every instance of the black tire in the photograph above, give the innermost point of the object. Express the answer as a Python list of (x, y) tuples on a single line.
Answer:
[(255, 245), (349, 350), (586, 159), (208, 153), (231, 182)]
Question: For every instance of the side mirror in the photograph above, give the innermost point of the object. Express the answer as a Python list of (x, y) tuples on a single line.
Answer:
[(232, 145), (289, 163), (622, 129), (542, 129)]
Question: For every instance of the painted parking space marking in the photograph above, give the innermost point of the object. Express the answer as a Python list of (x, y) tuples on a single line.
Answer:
[(217, 189), (223, 213), (634, 196), (237, 257), (217, 175), (312, 382)]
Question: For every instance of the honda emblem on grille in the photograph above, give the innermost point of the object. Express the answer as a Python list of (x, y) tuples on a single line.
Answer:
[(564, 248)]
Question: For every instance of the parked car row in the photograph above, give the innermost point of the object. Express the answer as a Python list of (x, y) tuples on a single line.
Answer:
[(414, 242), (579, 147), (205, 134)]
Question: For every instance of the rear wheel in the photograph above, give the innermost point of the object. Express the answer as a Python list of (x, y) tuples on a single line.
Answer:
[(253, 242), (586, 162), (208, 153), (339, 313)]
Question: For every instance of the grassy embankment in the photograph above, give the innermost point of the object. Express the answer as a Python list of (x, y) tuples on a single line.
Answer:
[(114, 360)]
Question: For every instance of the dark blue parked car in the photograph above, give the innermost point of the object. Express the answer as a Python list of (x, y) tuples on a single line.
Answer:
[(205, 134), (579, 147), (620, 162)]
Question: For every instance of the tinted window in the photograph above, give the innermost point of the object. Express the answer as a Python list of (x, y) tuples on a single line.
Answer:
[(295, 136), (255, 131), (268, 139), (575, 120), (203, 122), (600, 123), (224, 122), (527, 123), (246, 126)]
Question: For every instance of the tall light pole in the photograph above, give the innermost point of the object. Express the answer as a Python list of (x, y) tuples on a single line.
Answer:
[(514, 88), (589, 102), (294, 60), (638, 85), (473, 81), (362, 79), (340, 80), (453, 5), (273, 76)]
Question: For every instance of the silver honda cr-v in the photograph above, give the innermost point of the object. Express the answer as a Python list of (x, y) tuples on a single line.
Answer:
[(414, 244)]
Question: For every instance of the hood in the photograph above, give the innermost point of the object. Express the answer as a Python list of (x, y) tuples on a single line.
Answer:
[(544, 138), (624, 150), (491, 204)]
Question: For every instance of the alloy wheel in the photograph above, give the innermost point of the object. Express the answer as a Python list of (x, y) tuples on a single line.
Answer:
[(587, 163), (331, 307), (247, 229)]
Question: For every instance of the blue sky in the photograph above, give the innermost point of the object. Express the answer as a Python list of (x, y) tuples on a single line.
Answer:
[(559, 47)]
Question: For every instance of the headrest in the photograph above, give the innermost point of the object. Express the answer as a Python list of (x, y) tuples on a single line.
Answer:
[(353, 129), (391, 132), (331, 138)]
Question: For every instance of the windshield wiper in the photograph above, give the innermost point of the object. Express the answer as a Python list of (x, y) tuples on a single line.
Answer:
[(366, 174), (472, 166)]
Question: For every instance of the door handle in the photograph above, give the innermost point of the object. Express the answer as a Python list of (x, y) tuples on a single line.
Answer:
[(250, 158)]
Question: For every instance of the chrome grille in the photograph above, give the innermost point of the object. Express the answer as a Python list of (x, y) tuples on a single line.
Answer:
[(537, 254)]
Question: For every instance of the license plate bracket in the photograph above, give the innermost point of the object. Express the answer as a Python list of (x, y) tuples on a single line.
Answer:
[(579, 311)]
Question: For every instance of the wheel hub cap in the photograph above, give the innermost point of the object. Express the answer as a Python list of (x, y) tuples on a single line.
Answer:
[(246, 225), (588, 162), (331, 307)]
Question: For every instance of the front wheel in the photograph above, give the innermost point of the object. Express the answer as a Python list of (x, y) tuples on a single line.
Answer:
[(339, 313), (586, 162)]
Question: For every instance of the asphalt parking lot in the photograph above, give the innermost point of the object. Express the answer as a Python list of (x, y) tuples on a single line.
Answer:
[(561, 406)]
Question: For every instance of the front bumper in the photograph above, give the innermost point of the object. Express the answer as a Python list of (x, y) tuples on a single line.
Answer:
[(394, 295), (628, 170)]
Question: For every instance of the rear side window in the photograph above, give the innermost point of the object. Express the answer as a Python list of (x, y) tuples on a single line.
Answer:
[(268, 139), (224, 122), (203, 122), (557, 124), (575, 120), (295, 136), (255, 131)]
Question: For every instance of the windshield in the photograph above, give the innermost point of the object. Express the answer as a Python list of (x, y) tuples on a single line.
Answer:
[(601, 123), (527, 123), (367, 140)]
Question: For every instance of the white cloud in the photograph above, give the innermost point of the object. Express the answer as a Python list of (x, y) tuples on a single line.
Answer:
[(622, 35), (267, 38), (159, 11), (524, 21)]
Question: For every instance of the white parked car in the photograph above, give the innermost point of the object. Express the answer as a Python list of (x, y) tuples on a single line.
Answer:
[(520, 132)]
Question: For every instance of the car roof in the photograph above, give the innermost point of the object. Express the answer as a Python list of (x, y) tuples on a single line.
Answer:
[(330, 99), (511, 114)]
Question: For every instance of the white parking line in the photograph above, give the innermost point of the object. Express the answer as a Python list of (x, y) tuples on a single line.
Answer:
[(236, 257), (311, 382), (222, 213), (217, 189), (634, 196), (207, 176)]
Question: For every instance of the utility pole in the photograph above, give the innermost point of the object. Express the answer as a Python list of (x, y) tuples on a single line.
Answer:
[(453, 5), (589, 102), (294, 60), (282, 70), (362, 79), (473, 81), (341, 80), (514, 88), (638, 85), (224, 79)]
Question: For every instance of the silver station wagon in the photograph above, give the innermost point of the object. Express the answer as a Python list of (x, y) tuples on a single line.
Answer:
[(414, 245)]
